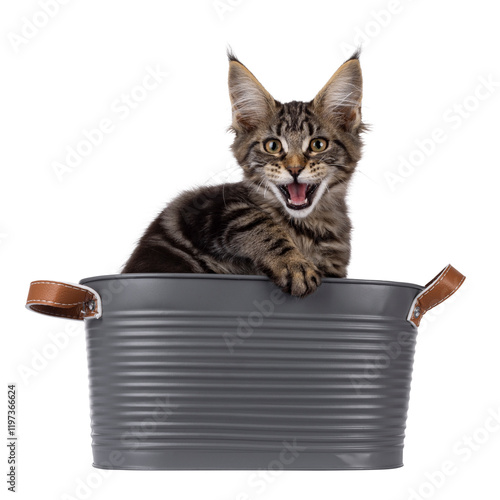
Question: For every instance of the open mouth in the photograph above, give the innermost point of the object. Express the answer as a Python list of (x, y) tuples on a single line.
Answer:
[(298, 195)]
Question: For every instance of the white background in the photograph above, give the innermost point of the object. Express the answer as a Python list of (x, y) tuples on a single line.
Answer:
[(423, 62)]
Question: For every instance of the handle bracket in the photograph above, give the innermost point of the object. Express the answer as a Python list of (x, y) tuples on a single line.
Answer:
[(65, 300), (446, 283)]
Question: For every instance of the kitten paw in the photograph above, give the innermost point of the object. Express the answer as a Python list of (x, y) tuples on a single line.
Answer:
[(299, 278)]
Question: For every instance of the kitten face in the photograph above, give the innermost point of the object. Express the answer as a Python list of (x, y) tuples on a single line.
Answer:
[(298, 158), (297, 153)]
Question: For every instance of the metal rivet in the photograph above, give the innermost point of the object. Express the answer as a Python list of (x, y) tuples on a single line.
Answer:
[(91, 305), (416, 313)]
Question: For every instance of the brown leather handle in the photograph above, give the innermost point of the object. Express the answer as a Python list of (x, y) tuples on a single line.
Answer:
[(65, 300), (68, 300), (445, 284)]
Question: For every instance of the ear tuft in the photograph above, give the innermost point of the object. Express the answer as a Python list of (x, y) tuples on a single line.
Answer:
[(356, 54), (251, 103), (231, 55), (340, 99)]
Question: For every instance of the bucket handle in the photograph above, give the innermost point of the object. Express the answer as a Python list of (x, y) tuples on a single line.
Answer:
[(68, 300), (445, 284), (65, 300)]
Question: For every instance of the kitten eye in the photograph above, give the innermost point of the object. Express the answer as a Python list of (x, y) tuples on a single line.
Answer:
[(273, 146), (318, 145)]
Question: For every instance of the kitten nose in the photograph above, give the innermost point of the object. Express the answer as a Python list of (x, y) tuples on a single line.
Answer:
[(295, 171)]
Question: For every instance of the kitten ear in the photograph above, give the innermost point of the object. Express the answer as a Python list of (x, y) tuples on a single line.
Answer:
[(340, 99), (251, 103)]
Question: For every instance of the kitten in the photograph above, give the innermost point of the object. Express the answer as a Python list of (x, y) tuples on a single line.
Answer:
[(287, 219)]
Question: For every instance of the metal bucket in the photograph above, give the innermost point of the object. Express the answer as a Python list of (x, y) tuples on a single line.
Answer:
[(227, 372)]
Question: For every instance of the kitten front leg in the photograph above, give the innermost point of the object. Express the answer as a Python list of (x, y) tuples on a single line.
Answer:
[(259, 239), (335, 269), (333, 262), (295, 275)]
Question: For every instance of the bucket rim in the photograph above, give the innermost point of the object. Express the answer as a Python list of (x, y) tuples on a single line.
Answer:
[(239, 277)]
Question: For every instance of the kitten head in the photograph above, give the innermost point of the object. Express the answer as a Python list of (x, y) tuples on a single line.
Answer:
[(298, 154)]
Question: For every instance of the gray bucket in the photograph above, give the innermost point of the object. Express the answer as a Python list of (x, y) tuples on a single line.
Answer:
[(227, 372)]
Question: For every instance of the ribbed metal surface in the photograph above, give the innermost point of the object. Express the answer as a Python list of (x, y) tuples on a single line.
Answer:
[(211, 372)]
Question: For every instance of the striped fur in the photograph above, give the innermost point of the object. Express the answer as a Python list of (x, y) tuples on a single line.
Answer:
[(254, 226)]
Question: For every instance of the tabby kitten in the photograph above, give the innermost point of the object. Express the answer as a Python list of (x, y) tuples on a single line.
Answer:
[(288, 218)]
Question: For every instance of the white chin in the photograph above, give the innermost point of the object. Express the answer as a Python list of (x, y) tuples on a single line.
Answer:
[(304, 212)]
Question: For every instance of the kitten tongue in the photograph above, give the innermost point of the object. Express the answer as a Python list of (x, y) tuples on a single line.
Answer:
[(297, 193)]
